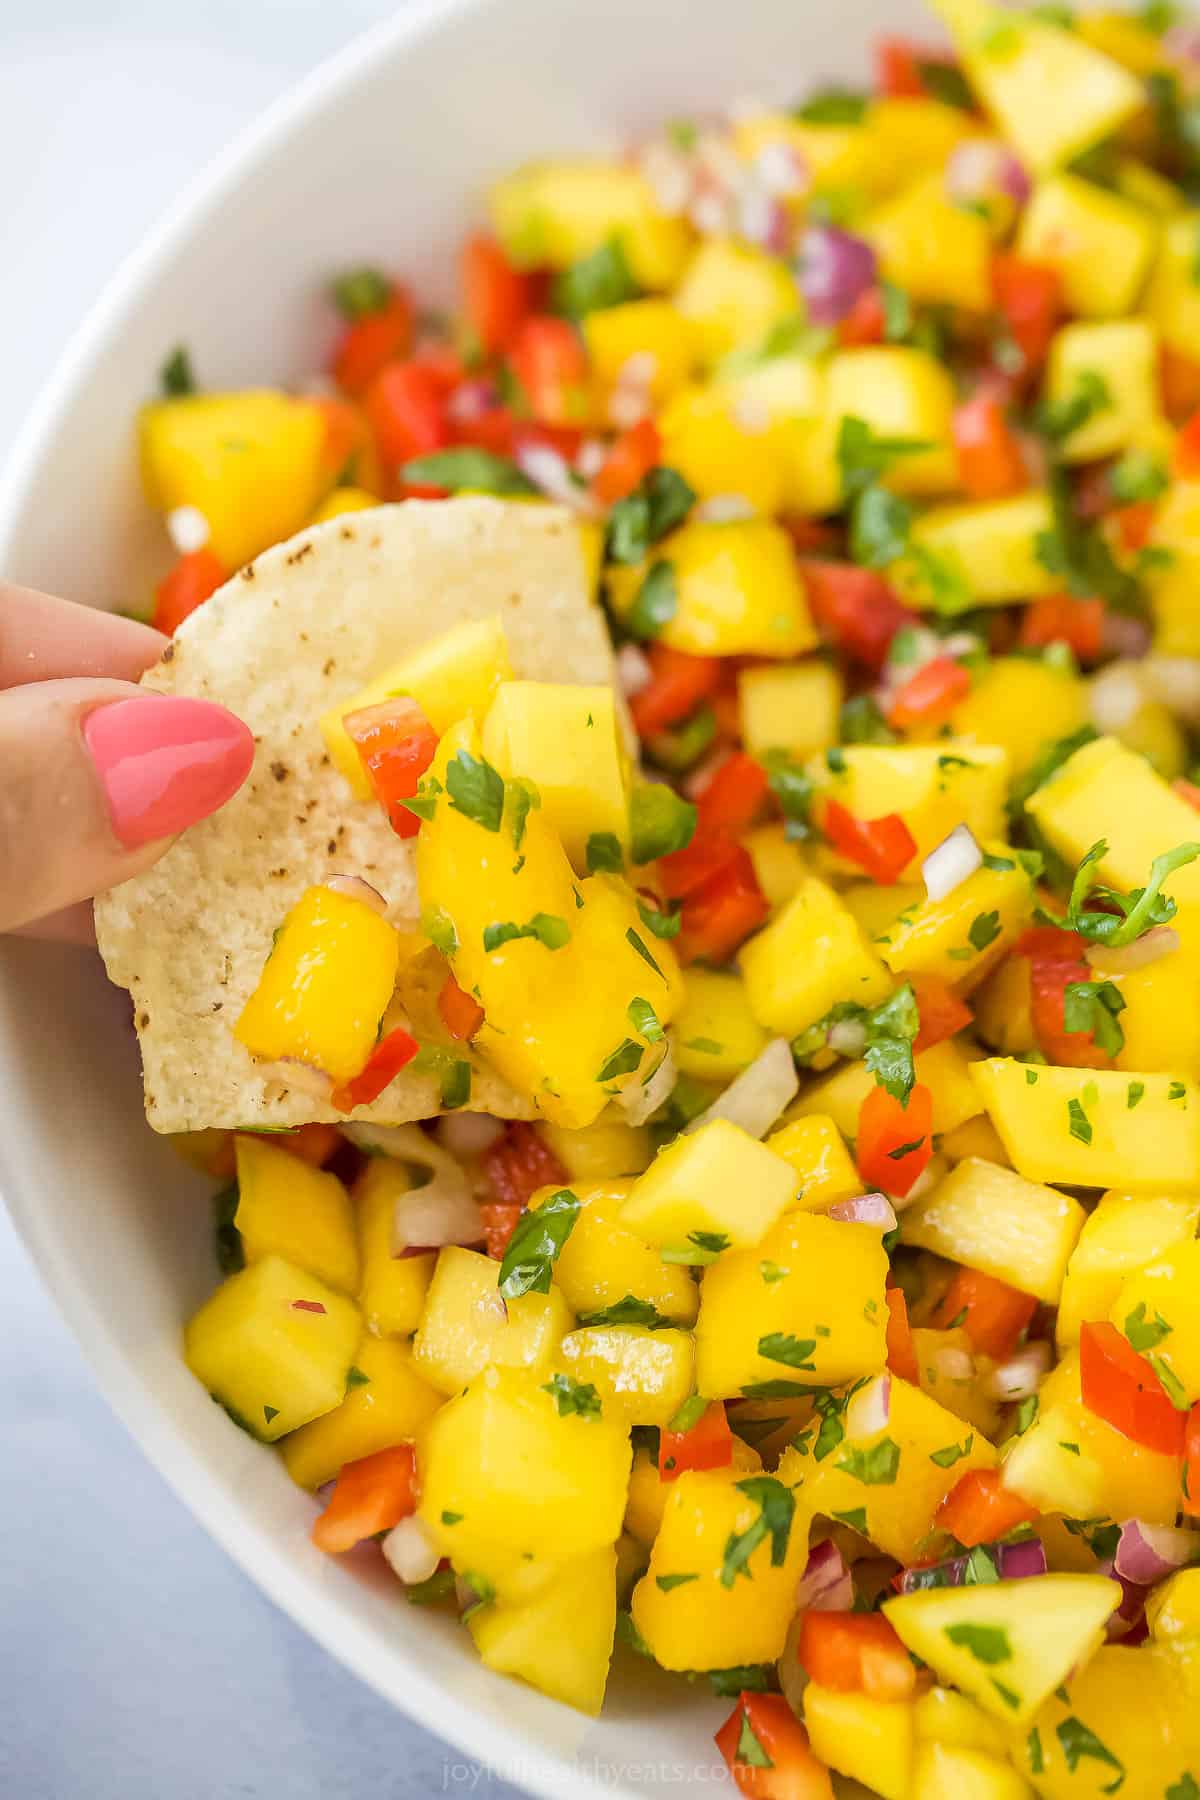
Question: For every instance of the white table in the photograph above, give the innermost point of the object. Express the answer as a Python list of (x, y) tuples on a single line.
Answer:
[(136, 1663)]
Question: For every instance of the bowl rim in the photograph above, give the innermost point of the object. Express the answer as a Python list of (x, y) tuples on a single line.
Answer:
[(257, 1552)]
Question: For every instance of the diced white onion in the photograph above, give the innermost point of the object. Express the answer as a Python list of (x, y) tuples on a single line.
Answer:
[(411, 1551), (934, 1171), (355, 888), (847, 1036), (1119, 959), (548, 470), (468, 1133), (866, 1209), (1115, 695), (751, 414), (951, 862), (724, 509), (953, 1363), (627, 406), (759, 1094), (709, 213), (781, 169), (1175, 680), (1022, 1374), (444, 1210), (299, 1078), (187, 529), (870, 1409), (638, 1102), (593, 454), (669, 173), (633, 670)]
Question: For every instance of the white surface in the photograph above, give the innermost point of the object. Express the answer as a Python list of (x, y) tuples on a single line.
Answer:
[(136, 1661)]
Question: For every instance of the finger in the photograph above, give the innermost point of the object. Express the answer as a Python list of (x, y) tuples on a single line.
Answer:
[(96, 777), (73, 925), (46, 639)]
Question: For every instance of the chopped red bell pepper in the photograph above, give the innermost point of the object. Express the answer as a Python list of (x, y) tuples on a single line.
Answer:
[(1187, 790), (1191, 1463), (990, 464), (1122, 1388), (189, 584), (677, 686), (494, 429), (459, 1011), (992, 1314), (1047, 943), (1049, 978), (520, 1163), (733, 796), (500, 1220), (855, 609), (884, 847), (708, 1444), (979, 1509), (901, 1351), (768, 1752), (1179, 380), (1061, 618), (391, 1054), (396, 744), (1029, 296), (628, 462), (894, 1142), (942, 1012), (685, 871), (549, 361), (820, 537), (1185, 463), (931, 695), (722, 912), (1134, 523), (865, 323), (900, 66), (406, 409), (497, 298), (855, 1653), (370, 1496), (373, 341)]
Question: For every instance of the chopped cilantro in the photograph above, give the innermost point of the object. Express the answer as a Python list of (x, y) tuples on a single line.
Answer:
[(659, 924), (832, 106), (475, 790), (862, 722), (602, 279), (947, 83), (622, 1061), (360, 292), (984, 930), (874, 1467), (439, 1586), (176, 377), (655, 603), (855, 1517), (1033, 1745), (783, 1347), (270, 1412), (863, 457), (604, 853), (355, 1377), (662, 501), (629, 1311), (1007, 1694), (1078, 1742), (483, 1590), (659, 821), (986, 1643), (749, 1751), (466, 466), (1092, 1006), (645, 1021), (1027, 1412), (227, 1239), (667, 1582), (1144, 1333), (793, 789), (546, 928), (1079, 1125), (1137, 477), (946, 1459), (438, 927), (772, 1272), (880, 522), (535, 1244), (1177, 1091), (777, 1507), (423, 804), (452, 1518), (1134, 1093), (578, 1397), (980, 1568), (689, 1414), (749, 1678), (1091, 395)]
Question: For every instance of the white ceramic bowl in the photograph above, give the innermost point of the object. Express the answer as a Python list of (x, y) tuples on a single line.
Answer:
[(380, 156)]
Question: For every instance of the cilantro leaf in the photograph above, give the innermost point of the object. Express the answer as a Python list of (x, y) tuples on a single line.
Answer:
[(986, 1643), (862, 457), (360, 292), (1093, 1006), (1078, 1742), (946, 1459), (535, 1244), (623, 1060), (1061, 418), (777, 1507), (984, 930), (980, 1569), (466, 466), (645, 1020), (629, 1311), (880, 522), (832, 106), (874, 1467), (1144, 1333), (578, 1397), (602, 279), (783, 1347), (475, 790), (661, 501), (227, 1239), (655, 603), (659, 821), (546, 928), (1078, 1123), (667, 1582), (176, 377), (604, 853)]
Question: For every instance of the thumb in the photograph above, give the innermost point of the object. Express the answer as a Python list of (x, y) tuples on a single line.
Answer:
[(96, 778)]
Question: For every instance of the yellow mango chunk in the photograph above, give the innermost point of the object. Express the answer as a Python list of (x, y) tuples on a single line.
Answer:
[(250, 462), (988, 548), (567, 741), (273, 1345), (324, 987), (1018, 702), (936, 251), (975, 1137), (994, 1220), (732, 294), (466, 1326), (867, 1740), (556, 213), (1101, 244), (519, 1474), (287, 1208), (723, 445), (944, 1716), (716, 1181), (794, 707), (787, 397), (1079, 1127), (603, 1151), (809, 956), (1141, 1720), (945, 1070), (737, 591), (814, 1148), (652, 330), (1158, 1309), (962, 936), (451, 677), (560, 1639), (947, 1379), (641, 1376), (780, 864), (805, 1306), (1070, 1461), (603, 1260), (1172, 299), (1125, 1232), (701, 1623), (1124, 354), (392, 1294), (388, 1402), (899, 392), (850, 1483), (838, 158), (932, 787), (343, 500), (1106, 791), (916, 134), (716, 1035)]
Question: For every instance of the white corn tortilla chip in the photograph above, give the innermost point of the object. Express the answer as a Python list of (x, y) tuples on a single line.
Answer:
[(305, 625)]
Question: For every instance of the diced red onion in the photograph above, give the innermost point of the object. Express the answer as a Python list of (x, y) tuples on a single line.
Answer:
[(826, 1584), (1018, 1562), (187, 529), (1022, 1374), (1119, 959), (847, 1036), (866, 1209), (1123, 635), (834, 270), (953, 1363), (471, 400), (982, 166), (468, 1133), (723, 509), (759, 1094), (1115, 695), (639, 1101), (1014, 1562), (1130, 1614), (1182, 43), (548, 470), (870, 1408), (299, 1077), (312, 1306), (633, 670), (355, 888), (411, 1551), (951, 862), (1149, 1553)]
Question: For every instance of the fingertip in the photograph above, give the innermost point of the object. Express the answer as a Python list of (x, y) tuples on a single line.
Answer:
[(165, 761)]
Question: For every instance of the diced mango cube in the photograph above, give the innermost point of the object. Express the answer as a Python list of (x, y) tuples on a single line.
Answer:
[(387, 1402), (780, 864), (287, 1208), (789, 394), (1125, 1232), (723, 446), (994, 1220), (811, 955), (737, 590), (1124, 354), (944, 1716), (641, 1376), (648, 329), (392, 1294), (467, 1326), (1172, 299), (604, 1260), (1101, 244), (793, 707), (717, 1181), (1139, 1715), (986, 547), (343, 500), (567, 740), (935, 250), (1019, 702), (962, 936), (1160, 1303), (867, 1740), (603, 1151), (560, 1639), (557, 213), (899, 392), (814, 1147), (933, 787), (733, 294), (716, 1035)]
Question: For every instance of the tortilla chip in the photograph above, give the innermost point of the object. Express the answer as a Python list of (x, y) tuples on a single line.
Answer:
[(305, 625)]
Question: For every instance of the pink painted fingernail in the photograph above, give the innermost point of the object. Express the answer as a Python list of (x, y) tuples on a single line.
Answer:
[(165, 762)]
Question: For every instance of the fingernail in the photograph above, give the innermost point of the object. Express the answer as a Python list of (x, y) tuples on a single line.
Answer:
[(165, 762)]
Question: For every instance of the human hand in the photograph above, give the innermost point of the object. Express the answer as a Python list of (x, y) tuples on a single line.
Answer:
[(96, 775)]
